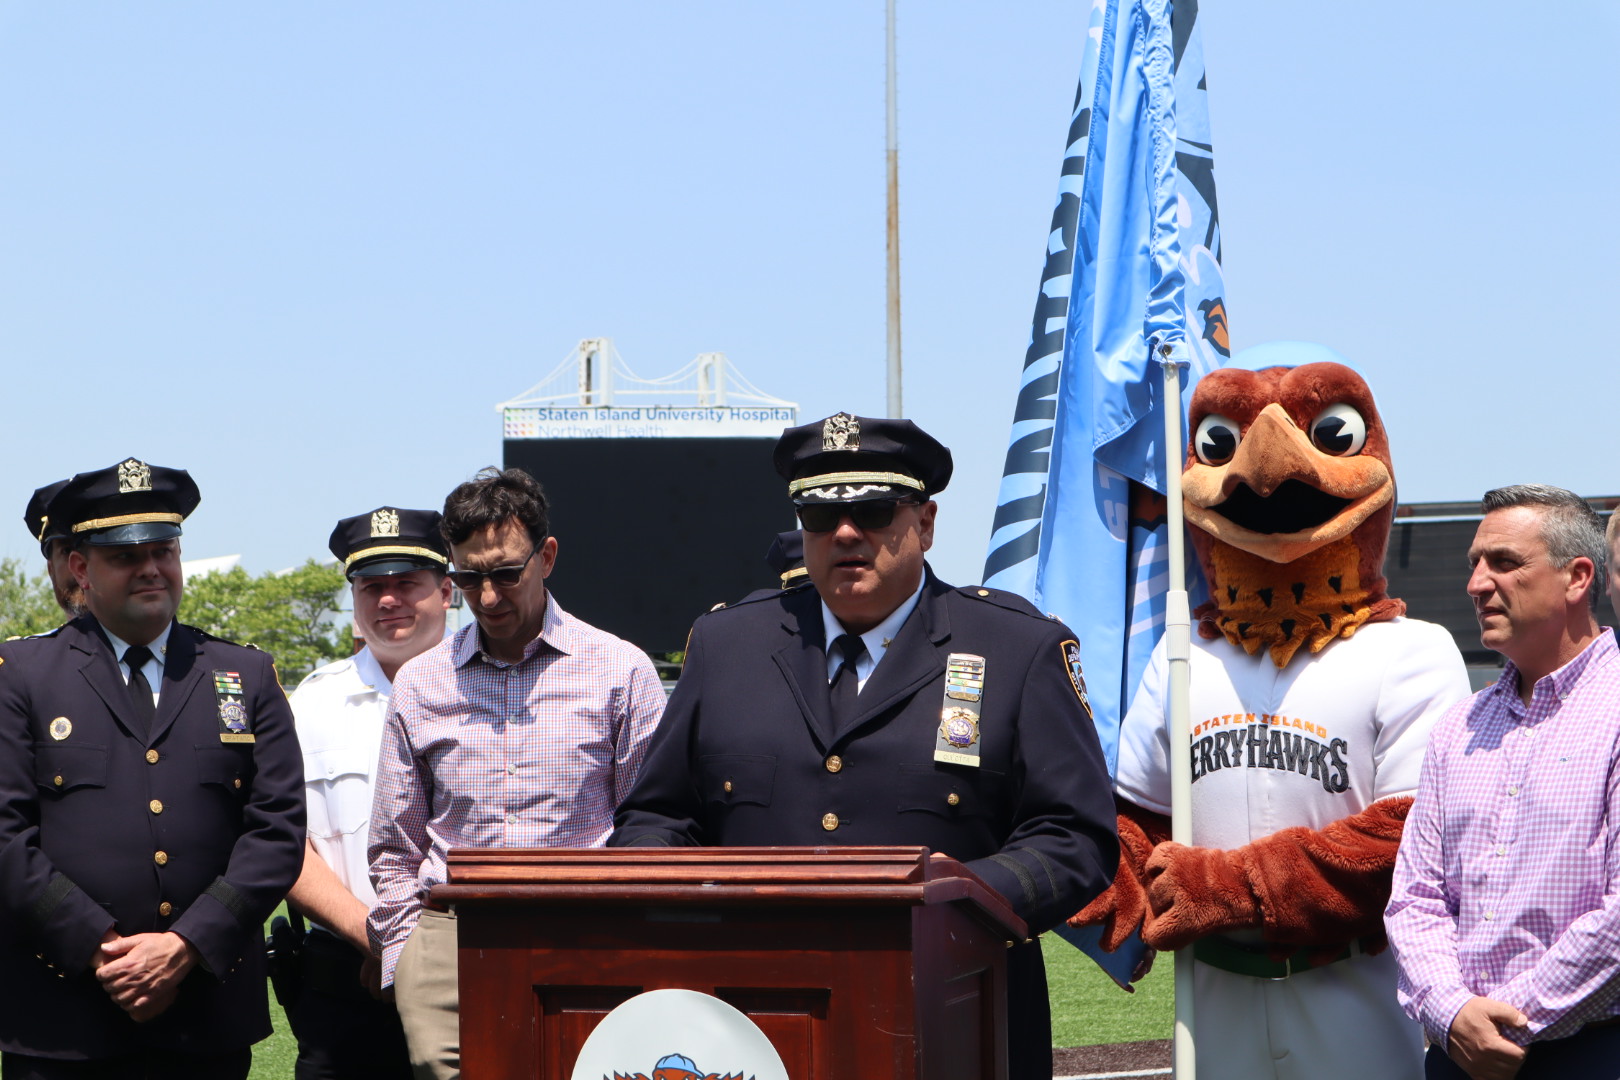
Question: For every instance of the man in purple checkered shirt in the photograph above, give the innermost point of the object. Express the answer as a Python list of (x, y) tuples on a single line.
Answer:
[(523, 730), (1505, 911)]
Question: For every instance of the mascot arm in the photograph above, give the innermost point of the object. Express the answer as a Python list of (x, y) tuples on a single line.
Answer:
[(1123, 905), (1319, 888)]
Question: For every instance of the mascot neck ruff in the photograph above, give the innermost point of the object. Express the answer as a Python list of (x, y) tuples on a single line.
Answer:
[(1290, 492)]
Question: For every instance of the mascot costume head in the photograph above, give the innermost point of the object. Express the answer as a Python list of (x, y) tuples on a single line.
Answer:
[(1289, 491)]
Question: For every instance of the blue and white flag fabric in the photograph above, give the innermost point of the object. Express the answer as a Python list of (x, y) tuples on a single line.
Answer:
[(1132, 269), (1132, 266)]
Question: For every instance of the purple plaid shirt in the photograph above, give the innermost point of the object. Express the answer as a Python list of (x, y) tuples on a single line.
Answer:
[(1508, 880), (480, 753)]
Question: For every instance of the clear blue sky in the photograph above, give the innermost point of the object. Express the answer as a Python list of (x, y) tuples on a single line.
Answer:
[(302, 249)]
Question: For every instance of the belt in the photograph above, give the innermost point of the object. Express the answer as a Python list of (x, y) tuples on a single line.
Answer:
[(434, 905), (1255, 960), (332, 966)]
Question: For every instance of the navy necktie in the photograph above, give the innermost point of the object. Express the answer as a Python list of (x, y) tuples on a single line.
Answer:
[(845, 683), (140, 691)]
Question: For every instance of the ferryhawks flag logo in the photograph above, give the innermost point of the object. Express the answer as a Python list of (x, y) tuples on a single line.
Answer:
[(676, 1067)]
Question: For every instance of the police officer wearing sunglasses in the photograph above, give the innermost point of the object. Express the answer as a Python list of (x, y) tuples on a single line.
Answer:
[(879, 705)]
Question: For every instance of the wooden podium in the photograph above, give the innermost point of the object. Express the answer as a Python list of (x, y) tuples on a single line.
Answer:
[(856, 962)]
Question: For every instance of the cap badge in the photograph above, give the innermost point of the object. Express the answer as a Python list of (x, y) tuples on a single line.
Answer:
[(840, 431), (384, 523), (134, 476)]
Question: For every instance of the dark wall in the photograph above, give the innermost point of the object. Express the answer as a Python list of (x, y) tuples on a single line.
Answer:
[(1427, 566), (651, 533)]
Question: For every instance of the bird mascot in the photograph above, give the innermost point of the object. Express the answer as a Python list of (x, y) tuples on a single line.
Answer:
[(1312, 697)]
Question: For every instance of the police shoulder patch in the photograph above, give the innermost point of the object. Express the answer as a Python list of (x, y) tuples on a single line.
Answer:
[(1071, 660)]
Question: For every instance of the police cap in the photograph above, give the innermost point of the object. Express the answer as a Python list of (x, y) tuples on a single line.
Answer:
[(848, 458), (128, 503), (389, 540), (786, 557), (40, 525)]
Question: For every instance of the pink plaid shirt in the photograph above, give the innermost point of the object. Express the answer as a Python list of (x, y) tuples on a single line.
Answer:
[(480, 753), (1508, 880)]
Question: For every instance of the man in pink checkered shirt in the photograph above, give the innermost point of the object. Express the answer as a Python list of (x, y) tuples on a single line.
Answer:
[(1505, 911), (525, 729)]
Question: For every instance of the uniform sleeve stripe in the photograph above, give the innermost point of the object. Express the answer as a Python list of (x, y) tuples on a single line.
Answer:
[(1046, 865), (227, 895), (55, 892), (1025, 878)]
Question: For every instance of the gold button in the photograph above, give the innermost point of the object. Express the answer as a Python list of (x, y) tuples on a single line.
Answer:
[(155, 806), (835, 763), (151, 757), (726, 787), (237, 782), (165, 908), (984, 592), (829, 822), (161, 858), (58, 780), (952, 799)]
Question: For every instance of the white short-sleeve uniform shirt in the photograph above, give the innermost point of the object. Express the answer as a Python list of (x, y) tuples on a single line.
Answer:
[(339, 711)]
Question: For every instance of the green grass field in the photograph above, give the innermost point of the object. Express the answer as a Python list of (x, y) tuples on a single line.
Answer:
[(1087, 1009)]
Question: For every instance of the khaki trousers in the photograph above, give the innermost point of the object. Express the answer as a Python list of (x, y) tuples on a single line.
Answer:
[(425, 994)]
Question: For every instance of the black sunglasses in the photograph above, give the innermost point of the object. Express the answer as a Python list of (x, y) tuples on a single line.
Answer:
[(502, 577), (873, 514)]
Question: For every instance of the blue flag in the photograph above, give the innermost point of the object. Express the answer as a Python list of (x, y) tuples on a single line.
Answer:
[(1132, 267)]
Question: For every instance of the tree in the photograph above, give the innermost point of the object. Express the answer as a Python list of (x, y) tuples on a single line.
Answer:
[(27, 603), (287, 615)]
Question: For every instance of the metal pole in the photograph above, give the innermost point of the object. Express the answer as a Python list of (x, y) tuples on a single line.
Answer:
[(894, 229), (1178, 650)]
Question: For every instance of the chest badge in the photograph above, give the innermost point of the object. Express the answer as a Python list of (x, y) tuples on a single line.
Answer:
[(959, 727), (235, 724), (956, 741), (61, 728)]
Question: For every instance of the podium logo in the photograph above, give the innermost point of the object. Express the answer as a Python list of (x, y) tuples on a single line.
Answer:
[(676, 1067), (675, 1029)]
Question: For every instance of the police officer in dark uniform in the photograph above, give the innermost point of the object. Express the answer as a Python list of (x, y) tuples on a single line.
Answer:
[(151, 811), (786, 557), (54, 543), (880, 705)]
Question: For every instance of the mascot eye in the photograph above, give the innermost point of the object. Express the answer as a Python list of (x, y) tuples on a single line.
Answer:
[(1216, 439), (1339, 430)]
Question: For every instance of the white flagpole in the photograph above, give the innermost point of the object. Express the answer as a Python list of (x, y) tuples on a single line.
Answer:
[(1178, 649)]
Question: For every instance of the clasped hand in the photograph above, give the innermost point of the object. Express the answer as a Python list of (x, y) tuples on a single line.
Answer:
[(142, 973)]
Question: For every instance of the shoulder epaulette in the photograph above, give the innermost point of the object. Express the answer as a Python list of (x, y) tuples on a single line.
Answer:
[(206, 636), (52, 632), (759, 596), (1009, 601)]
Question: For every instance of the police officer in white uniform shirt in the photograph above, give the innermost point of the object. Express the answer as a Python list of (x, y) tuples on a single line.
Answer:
[(395, 561)]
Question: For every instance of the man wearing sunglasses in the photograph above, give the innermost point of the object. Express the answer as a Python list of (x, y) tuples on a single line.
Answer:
[(879, 705), (524, 729)]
